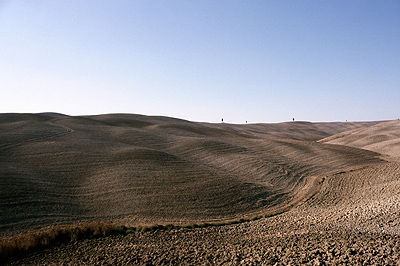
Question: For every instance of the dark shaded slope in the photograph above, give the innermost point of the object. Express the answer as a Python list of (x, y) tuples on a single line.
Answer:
[(132, 168)]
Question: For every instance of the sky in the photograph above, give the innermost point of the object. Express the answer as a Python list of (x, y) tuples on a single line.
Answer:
[(256, 61)]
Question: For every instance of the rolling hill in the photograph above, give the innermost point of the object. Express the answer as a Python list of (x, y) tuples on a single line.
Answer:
[(383, 138), (135, 169)]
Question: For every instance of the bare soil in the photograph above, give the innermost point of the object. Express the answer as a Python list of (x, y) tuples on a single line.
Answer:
[(383, 138), (342, 202)]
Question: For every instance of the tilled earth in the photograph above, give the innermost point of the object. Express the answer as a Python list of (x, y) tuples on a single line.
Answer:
[(353, 220), (134, 170), (232, 245)]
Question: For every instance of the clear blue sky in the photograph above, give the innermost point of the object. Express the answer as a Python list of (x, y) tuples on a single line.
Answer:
[(260, 61)]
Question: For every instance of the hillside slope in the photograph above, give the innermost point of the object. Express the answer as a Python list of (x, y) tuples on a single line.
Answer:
[(137, 169), (383, 138)]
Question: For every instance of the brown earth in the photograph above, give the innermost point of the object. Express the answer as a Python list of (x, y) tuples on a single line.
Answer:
[(342, 202), (383, 138)]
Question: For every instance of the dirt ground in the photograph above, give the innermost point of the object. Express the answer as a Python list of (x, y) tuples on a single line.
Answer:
[(132, 169), (352, 219)]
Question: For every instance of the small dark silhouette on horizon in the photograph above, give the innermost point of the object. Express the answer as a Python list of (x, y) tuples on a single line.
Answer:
[(293, 118)]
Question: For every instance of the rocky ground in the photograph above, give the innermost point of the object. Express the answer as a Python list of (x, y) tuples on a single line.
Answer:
[(232, 245), (353, 220)]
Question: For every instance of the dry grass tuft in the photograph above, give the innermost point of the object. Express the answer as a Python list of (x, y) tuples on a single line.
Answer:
[(12, 247)]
